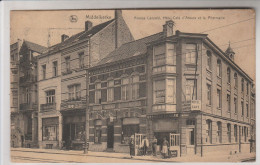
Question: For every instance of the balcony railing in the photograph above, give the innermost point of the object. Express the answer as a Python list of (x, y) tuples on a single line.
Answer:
[(28, 106), (48, 107), (28, 79)]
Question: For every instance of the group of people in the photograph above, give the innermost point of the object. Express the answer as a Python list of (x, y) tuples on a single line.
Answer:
[(145, 145)]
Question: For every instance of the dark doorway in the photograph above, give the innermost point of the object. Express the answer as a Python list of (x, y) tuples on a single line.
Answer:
[(66, 136), (110, 136), (160, 135)]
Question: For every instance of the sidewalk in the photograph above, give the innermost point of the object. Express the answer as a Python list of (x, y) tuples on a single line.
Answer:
[(209, 158)]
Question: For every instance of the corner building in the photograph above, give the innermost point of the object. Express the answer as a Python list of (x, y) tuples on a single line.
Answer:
[(150, 87)]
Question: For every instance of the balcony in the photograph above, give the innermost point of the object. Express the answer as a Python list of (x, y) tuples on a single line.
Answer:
[(28, 79), (48, 107), (79, 103), (28, 106), (164, 69)]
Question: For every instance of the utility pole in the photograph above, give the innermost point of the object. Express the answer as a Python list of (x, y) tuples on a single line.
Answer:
[(87, 117)]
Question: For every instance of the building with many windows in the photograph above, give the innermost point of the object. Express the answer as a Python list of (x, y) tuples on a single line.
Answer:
[(163, 85)]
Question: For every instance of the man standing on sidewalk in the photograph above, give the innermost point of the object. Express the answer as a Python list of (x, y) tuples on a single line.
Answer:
[(145, 145)]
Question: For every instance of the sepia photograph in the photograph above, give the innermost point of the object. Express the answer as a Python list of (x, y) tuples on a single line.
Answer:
[(132, 85)]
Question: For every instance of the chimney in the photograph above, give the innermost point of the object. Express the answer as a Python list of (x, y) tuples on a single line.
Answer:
[(118, 13), (64, 37), (88, 25), (168, 28)]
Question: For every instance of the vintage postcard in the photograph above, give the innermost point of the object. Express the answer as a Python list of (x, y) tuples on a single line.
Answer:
[(132, 86)]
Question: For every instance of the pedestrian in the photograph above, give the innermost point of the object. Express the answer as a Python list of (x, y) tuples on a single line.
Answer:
[(154, 145), (145, 145), (165, 147), (132, 146)]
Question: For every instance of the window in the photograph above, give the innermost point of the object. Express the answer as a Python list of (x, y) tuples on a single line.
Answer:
[(191, 52), (142, 89), (98, 131), (235, 133), (171, 54), (67, 62), (190, 90), (103, 95), (125, 89), (43, 71), (229, 132), (55, 68), (110, 91), (50, 97), (242, 108), (208, 94), (228, 102), (81, 60), (219, 98), (247, 88), (171, 91), (247, 111), (117, 93), (74, 92), (27, 96), (219, 132), (228, 75), (235, 79), (159, 91), (209, 131), (159, 55), (135, 87), (242, 85), (219, 68), (235, 105), (245, 134), (128, 131), (91, 96), (209, 60), (50, 133)]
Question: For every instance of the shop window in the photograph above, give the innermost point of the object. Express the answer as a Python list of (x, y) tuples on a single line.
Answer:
[(80, 132), (229, 132), (159, 55), (209, 131), (74, 92), (55, 68), (50, 133), (190, 89), (219, 132), (191, 53), (50, 96), (128, 131), (235, 132)]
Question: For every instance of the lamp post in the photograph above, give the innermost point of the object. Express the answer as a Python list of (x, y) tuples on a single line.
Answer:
[(87, 118)]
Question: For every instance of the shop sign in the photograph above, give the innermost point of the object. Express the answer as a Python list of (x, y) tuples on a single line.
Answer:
[(195, 105)]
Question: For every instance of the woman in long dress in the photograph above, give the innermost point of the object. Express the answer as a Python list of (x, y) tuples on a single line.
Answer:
[(165, 146), (132, 146)]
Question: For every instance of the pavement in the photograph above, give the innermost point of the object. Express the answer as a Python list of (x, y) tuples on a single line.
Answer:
[(52, 155)]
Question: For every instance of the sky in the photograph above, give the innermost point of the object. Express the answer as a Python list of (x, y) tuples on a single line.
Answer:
[(236, 26)]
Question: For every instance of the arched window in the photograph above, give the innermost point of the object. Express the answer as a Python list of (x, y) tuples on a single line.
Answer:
[(235, 79), (209, 131), (219, 68), (209, 60), (228, 75), (242, 85), (219, 132)]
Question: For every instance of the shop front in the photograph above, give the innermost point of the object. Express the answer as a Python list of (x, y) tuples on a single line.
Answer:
[(74, 132), (50, 132)]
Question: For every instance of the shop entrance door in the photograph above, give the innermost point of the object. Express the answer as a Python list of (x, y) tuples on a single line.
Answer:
[(138, 142), (190, 143), (110, 136)]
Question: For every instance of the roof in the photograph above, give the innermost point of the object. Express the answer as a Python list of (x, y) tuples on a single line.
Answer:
[(35, 47), (79, 36), (130, 49)]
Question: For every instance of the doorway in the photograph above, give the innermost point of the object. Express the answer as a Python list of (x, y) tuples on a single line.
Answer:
[(110, 136)]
